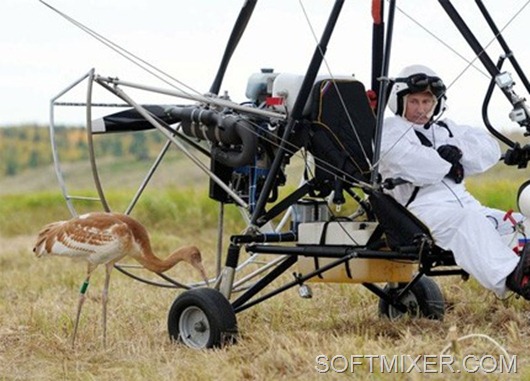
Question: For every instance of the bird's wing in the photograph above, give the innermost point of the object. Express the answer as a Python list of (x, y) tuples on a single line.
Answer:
[(40, 245), (98, 240)]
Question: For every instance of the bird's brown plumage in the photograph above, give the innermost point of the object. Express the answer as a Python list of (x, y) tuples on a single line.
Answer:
[(101, 238), (104, 239)]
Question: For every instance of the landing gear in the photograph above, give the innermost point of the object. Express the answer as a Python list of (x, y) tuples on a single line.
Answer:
[(424, 299), (202, 318)]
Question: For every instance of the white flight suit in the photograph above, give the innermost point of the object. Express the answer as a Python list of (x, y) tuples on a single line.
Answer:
[(457, 221)]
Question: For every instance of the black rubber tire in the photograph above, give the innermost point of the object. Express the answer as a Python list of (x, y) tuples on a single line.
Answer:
[(202, 318), (424, 299)]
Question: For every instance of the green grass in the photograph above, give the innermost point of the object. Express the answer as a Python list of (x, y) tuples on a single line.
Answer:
[(24, 214), (500, 194), (163, 210), (182, 206)]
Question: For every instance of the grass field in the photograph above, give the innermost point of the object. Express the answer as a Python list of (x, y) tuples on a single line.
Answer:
[(280, 339)]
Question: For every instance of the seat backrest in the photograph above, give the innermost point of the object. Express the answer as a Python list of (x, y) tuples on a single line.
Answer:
[(342, 131)]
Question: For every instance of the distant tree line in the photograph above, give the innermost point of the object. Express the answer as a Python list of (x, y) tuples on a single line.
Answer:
[(29, 146)]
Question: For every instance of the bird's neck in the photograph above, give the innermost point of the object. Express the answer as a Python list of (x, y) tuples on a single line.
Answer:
[(153, 263)]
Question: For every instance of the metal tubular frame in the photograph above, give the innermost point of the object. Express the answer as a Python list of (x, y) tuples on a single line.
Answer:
[(485, 59), (508, 52), (91, 151), (297, 111), (241, 284), (55, 152)]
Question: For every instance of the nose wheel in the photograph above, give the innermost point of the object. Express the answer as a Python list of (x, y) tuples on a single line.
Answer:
[(202, 318)]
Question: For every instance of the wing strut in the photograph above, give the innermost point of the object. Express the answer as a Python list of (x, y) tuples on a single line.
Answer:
[(521, 112), (237, 32), (378, 41), (298, 108), (382, 92), (504, 45)]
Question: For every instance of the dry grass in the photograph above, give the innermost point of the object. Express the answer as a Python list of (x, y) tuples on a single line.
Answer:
[(279, 339)]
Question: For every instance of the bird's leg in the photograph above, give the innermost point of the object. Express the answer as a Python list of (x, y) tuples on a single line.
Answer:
[(104, 299), (82, 297)]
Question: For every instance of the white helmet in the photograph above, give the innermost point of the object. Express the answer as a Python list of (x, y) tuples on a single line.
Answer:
[(414, 79)]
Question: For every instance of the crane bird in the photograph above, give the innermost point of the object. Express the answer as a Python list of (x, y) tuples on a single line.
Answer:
[(104, 239)]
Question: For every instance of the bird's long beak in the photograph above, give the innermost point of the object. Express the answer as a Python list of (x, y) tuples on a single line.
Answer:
[(200, 267)]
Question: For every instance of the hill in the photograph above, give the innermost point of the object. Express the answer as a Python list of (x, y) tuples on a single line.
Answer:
[(28, 147)]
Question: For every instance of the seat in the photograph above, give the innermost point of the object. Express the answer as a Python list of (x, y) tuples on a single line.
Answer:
[(403, 231), (341, 134), (343, 157)]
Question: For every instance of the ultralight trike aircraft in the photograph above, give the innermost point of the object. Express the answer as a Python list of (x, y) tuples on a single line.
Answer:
[(334, 123)]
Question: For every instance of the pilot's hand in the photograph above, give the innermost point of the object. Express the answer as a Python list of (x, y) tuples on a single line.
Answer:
[(456, 173), (450, 153)]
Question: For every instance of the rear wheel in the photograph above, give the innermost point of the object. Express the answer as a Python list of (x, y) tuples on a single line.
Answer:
[(202, 318), (424, 299)]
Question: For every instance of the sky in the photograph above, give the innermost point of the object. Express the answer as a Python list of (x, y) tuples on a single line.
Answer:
[(43, 54)]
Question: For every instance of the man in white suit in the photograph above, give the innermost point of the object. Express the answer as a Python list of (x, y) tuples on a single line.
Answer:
[(434, 156)]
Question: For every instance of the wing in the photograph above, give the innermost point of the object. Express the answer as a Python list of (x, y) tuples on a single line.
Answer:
[(97, 238)]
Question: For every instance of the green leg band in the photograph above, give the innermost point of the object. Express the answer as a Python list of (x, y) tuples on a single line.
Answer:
[(84, 287)]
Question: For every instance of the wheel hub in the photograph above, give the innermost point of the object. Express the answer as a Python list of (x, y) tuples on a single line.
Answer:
[(194, 328), (410, 301), (200, 326)]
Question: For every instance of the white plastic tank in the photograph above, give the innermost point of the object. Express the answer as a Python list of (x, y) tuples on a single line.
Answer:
[(287, 86), (356, 270), (259, 85)]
